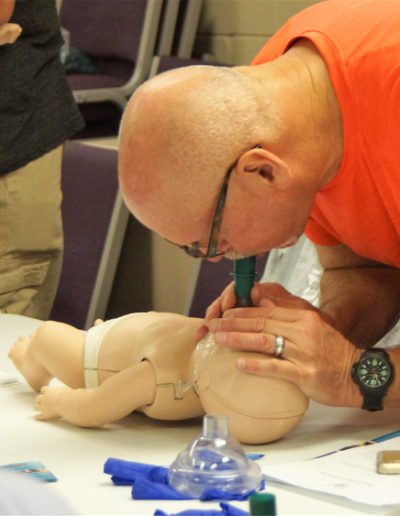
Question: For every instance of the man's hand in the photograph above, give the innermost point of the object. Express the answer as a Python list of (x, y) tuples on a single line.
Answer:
[(261, 291), (9, 33), (316, 357), (360, 302)]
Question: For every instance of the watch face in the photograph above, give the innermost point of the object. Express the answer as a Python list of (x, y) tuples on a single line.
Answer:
[(373, 371)]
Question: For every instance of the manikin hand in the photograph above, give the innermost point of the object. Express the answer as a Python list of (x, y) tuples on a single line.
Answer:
[(316, 357), (46, 401), (9, 33)]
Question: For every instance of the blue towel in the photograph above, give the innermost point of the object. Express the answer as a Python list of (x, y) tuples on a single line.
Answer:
[(226, 510), (150, 482), (254, 456)]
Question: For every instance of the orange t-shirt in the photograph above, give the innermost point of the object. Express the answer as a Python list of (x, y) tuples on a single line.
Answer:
[(360, 43)]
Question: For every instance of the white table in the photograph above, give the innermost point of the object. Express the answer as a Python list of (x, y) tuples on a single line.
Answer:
[(77, 455)]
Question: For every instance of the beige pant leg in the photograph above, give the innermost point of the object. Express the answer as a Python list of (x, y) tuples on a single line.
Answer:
[(31, 236)]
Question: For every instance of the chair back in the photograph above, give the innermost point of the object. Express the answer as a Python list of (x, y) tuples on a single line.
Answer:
[(105, 28), (93, 231), (119, 36)]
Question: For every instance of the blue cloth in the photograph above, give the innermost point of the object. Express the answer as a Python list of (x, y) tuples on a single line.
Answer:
[(150, 482), (254, 456), (226, 510), (125, 472)]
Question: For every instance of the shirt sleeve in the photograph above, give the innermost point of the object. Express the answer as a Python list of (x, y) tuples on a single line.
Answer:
[(317, 234)]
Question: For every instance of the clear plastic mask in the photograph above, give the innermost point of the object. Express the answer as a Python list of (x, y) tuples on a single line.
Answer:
[(214, 460)]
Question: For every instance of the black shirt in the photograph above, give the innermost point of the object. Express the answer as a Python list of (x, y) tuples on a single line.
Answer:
[(37, 109)]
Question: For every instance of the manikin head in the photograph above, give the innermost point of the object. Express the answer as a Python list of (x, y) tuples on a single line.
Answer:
[(180, 133), (260, 409)]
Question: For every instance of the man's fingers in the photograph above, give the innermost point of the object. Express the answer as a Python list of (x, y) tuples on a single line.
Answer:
[(249, 312), (256, 342), (271, 311), (224, 302), (201, 332), (252, 325), (276, 367), (255, 325)]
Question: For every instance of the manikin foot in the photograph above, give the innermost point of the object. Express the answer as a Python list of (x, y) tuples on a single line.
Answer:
[(34, 373)]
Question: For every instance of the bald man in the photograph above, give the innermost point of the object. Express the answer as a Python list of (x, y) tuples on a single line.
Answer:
[(239, 161)]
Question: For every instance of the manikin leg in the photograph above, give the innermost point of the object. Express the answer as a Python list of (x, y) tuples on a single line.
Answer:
[(55, 350)]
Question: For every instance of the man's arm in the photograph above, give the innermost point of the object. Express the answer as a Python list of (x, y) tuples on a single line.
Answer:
[(115, 398), (359, 297)]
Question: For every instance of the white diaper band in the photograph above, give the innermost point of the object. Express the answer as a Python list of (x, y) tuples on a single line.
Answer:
[(93, 342)]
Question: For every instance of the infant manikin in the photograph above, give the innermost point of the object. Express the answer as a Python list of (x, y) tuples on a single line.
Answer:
[(150, 362)]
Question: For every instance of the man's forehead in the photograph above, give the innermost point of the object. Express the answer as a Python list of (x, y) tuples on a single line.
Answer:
[(177, 211)]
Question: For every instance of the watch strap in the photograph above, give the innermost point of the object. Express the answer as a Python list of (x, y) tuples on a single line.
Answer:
[(371, 401)]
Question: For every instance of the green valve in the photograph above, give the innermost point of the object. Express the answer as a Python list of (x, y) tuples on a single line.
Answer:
[(244, 272), (262, 504)]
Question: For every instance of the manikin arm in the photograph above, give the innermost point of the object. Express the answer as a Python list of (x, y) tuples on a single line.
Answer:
[(115, 398)]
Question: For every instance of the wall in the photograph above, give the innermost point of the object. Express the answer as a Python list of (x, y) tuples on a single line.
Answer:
[(232, 31)]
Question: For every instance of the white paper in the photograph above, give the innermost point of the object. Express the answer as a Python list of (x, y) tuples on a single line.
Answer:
[(350, 473)]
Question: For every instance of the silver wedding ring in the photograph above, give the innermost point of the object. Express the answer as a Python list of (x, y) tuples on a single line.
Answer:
[(279, 345)]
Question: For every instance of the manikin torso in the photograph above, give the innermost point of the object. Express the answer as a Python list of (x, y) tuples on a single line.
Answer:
[(167, 341)]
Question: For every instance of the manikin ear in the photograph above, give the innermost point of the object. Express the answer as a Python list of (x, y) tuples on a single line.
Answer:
[(269, 169)]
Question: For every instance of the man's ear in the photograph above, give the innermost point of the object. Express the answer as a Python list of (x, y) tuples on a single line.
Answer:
[(271, 170)]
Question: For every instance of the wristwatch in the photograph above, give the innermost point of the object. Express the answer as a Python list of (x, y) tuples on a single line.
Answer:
[(373, 373)]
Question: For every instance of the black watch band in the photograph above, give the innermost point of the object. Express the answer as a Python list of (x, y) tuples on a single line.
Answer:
[(371, 401)]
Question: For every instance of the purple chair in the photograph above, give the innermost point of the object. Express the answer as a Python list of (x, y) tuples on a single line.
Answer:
[(119, 36), (95, 221)]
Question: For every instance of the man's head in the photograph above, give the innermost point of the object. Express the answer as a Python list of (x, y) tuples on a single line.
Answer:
[(181, 132)]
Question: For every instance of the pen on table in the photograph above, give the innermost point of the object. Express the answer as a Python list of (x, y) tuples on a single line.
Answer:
[(379, 439)]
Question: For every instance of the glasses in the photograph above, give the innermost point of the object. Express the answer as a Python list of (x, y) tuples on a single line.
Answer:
[(195, 249)]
